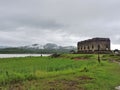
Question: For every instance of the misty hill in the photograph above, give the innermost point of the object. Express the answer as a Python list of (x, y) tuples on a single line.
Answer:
[(48, 46), (37, 48)]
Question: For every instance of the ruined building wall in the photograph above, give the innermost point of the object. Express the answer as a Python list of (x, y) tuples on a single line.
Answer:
[(91, 45)]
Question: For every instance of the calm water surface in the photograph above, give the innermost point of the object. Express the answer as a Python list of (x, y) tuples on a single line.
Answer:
[(21, 55)]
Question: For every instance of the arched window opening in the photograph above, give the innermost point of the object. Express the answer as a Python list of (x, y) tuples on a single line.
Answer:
[(92, 47), (84, 48), (98, 47), (88, 47), (81, 48)]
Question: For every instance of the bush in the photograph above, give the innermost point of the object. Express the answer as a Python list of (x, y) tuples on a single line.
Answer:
[(55, 55)]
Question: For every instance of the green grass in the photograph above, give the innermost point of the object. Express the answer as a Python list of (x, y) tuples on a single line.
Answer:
[(62, 73)]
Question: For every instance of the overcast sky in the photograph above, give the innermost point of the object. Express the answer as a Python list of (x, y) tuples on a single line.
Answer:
[(64, 22)]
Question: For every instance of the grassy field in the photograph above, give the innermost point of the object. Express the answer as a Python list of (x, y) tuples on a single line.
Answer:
[(67, 72)]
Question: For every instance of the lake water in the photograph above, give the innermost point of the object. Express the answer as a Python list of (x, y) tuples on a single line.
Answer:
[(21, 55)]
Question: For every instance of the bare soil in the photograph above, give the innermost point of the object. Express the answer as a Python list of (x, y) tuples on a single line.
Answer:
[(76, 84)]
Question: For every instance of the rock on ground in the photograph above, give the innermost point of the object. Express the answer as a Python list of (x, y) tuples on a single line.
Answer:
[(117, 88)]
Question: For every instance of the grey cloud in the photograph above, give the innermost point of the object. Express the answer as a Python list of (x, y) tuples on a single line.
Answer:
[(60, 21), (45, 24), (12, 24)]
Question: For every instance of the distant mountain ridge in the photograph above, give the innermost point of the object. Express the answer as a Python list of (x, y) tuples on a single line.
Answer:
[(4, 47), (38, 48), (47, 46)]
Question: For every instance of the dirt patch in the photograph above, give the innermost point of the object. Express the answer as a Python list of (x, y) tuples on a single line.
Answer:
[(76, 84), (65, 85), (15, 87), (85, 78)]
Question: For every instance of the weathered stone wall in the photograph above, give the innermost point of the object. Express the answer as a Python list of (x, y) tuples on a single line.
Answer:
[(92, 45)]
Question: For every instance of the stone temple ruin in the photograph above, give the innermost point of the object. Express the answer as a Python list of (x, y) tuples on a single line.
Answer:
[(94, 45)]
